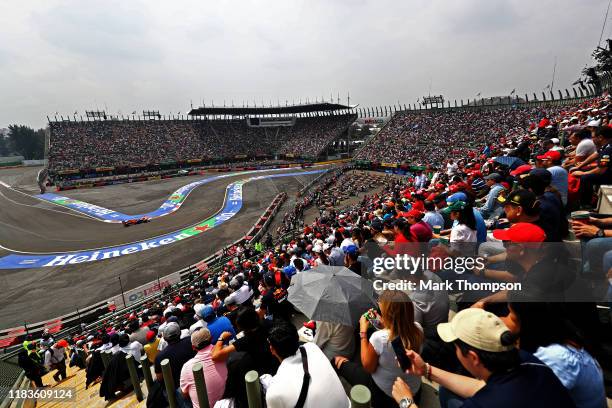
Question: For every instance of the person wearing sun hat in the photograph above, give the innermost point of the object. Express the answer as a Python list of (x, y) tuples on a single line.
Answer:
[(503, 376)]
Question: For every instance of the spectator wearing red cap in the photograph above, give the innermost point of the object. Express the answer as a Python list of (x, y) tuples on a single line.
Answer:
[(150, 348), (520, 206), (523, 169), (541, 269), (55, 359), (420, 231), (551, 161)]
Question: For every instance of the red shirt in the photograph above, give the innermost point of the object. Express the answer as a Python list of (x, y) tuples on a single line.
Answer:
[(420, 232)]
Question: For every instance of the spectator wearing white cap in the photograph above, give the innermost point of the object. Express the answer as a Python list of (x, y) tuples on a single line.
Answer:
[(556, 144), (200, 323), (503, 376)]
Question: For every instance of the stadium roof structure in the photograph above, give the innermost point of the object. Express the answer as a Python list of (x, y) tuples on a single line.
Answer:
[(270, 110)]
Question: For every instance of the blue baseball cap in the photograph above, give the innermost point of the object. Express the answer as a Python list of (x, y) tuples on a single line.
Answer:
[(289, 270), (207, 311), (457, 197), (350, 249)]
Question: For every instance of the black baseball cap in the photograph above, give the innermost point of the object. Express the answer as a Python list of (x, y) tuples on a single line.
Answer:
[(522, 197)]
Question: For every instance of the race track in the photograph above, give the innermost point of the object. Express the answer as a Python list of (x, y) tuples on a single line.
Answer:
[(30, 225)]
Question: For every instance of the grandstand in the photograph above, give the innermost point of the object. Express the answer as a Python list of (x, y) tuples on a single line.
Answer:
[(208, 135)]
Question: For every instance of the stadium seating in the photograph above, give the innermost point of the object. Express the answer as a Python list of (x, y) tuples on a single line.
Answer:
[(113, 143), (430, 137)]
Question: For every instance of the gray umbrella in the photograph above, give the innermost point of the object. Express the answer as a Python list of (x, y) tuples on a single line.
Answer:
[(331, 294)]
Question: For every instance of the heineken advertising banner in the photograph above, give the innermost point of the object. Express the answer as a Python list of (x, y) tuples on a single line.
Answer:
[(233, 204), (169, 206)]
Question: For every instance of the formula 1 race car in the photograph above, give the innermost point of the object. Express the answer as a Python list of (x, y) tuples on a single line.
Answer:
[(135, 221)]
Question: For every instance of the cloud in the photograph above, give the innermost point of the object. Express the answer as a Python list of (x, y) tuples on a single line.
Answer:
[(113, 31), (70, 55)]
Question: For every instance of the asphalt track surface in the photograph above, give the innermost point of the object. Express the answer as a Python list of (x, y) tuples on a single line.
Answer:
[(30, 225)]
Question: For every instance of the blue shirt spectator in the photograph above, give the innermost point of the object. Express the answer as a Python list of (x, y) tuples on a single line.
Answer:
[(578, 372), (491, 204), (216, 325), (559, 181)]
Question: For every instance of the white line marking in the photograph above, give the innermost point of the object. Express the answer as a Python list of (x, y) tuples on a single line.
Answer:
[(80, 215)]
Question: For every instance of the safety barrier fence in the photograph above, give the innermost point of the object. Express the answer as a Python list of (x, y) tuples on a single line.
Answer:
[(90, 182)]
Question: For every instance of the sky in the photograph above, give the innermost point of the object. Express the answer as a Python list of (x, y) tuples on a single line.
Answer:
[(121, 56)]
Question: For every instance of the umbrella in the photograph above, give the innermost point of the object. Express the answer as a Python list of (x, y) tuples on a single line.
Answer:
[(509, 161), (331, 294)]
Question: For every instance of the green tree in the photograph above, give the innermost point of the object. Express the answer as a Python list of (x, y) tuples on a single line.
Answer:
[(27, 142), (4, 148)]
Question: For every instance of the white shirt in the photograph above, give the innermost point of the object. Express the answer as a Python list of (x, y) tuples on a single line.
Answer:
[(462, 233), (388, 368), (200, 324), (106, 346), (585, 148), (325, 389), (242, 294), (54, 356), (346, 242), (135, 349)]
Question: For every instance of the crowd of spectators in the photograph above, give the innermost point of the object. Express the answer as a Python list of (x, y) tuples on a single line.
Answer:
[(535, 347), (431, 137), (113, 143)]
